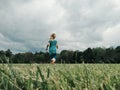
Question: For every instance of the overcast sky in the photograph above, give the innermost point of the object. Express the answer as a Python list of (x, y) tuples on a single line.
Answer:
[(25, 25)]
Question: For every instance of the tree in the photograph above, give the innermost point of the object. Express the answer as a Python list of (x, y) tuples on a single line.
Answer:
[(88, 56), (80, 57), (28, 57), (70, 56), (67, 56), (8, 54), (117, 54), (109, 55), (18, 58), (2, 57), (77, 57), (39, 57), (98, 54), (47, 57), (63, 56)]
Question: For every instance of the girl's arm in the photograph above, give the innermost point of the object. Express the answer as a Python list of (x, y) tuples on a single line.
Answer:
[(57, 46), (47, 46)]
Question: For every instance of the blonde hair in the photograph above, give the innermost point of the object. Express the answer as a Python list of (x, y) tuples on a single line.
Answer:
[(52, 36)]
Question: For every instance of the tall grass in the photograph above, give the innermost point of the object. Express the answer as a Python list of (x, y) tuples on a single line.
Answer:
[(60, 77)]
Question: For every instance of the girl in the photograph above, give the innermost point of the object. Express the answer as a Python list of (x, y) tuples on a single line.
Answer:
[(52, 48)]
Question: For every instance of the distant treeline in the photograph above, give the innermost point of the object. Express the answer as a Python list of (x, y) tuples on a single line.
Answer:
[(90, 55)]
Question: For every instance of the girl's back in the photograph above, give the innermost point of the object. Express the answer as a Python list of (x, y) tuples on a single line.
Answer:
[(53, 43), (52, 48)]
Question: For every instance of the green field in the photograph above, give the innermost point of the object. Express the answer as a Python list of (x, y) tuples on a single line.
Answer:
[(60, 77)]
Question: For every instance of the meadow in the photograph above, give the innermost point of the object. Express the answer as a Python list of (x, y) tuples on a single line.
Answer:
[(59, 77)]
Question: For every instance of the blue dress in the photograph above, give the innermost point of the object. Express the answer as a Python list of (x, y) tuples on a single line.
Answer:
[(52, 48)]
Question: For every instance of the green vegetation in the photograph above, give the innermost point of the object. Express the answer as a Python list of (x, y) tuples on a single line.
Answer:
[(90, 55), (60, 77)]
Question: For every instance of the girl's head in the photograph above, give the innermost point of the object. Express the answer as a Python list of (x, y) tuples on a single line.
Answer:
[(53, 36)]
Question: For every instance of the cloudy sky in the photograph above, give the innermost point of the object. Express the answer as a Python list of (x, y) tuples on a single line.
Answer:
[(25, 25)]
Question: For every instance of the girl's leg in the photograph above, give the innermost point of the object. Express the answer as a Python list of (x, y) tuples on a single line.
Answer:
[(53, 58)]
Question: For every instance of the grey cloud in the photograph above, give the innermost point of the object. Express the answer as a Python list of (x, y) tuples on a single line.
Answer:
[(88, 20), (79, 24)]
